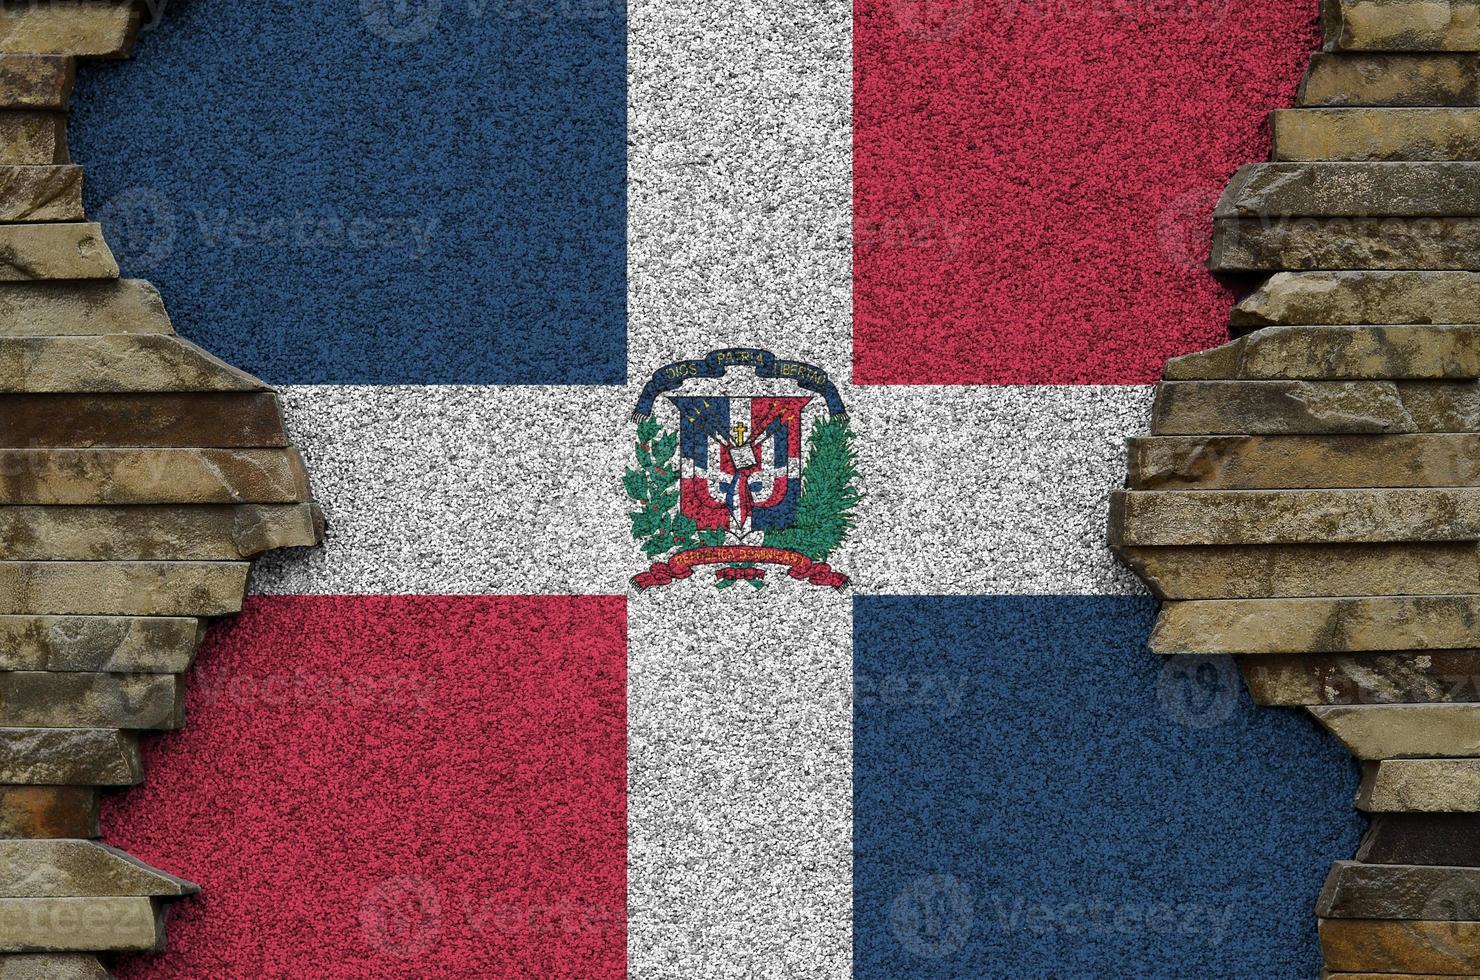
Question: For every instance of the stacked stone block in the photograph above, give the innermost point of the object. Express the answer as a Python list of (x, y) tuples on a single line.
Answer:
[(139, 475), (1309, 497)]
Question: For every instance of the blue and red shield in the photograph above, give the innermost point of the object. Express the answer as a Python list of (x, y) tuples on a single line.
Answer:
[(741, 463)]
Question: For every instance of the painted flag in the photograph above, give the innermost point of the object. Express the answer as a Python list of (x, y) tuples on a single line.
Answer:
[(462, 237)]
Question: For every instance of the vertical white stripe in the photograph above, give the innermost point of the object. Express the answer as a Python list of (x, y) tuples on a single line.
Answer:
[(740, 783), (740, 723), (740, 184)]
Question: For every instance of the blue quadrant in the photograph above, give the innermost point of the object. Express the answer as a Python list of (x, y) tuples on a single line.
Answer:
[(1034, 796), (374, 191)]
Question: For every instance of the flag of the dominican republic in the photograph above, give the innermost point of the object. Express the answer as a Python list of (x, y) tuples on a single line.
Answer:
[(463, 237)]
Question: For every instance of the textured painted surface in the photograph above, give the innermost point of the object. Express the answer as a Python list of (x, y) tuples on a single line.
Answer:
[(1033, 180), (967, 490), (1035, 796), (375, 192), (741, 807), (740, 736), (991, 490), (463, 490), (739, 775), (396, 787), (740, 180)]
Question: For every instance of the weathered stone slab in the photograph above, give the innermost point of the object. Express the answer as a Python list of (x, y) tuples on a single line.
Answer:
[(227, 419), (1215, 517), (83, 28), (71, 250), (1420, 785), (1441, 839), (41, 193), (1382, 79), (80, 869), (1375, 297), (118, 644), (1394, 891), (1319, 625), (137, 702), (151, 476), (1399, 731), (91, 588), (1332, 353), (40, 81), (59, 966), (1337, 353), (1376, 134), (63, 925), (1401, 25), (1243, 245), (1308, 407), (103, 306), (1271, 571), (34, 812), (213, 532), (69, 757), (1363, 945), (30, 138), (1353, 190), (141, 363), (1301, 462), (1296, 680)]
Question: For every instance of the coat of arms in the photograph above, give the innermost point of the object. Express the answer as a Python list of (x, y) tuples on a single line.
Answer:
[(743, 460)]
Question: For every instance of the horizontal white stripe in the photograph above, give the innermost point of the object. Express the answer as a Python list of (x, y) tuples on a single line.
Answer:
[(461, 490), (487, 490), (980, 491)]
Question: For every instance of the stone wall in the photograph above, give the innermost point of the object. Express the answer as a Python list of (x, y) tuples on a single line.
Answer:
[(1309, 497), (139, 476)]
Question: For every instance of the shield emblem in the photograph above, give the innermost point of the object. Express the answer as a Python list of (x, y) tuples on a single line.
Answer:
[(741, 463)]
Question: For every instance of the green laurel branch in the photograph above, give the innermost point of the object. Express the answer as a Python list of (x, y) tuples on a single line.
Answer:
[(825, 511), (653, 486)]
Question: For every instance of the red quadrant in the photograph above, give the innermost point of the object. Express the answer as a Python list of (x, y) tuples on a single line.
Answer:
[(385, 787), (1034, 179)]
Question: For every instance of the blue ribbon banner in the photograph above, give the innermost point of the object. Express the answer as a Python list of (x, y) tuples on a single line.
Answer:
[(671, 377)]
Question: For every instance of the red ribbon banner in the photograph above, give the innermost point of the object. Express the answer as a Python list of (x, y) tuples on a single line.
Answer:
[(682, 565)]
